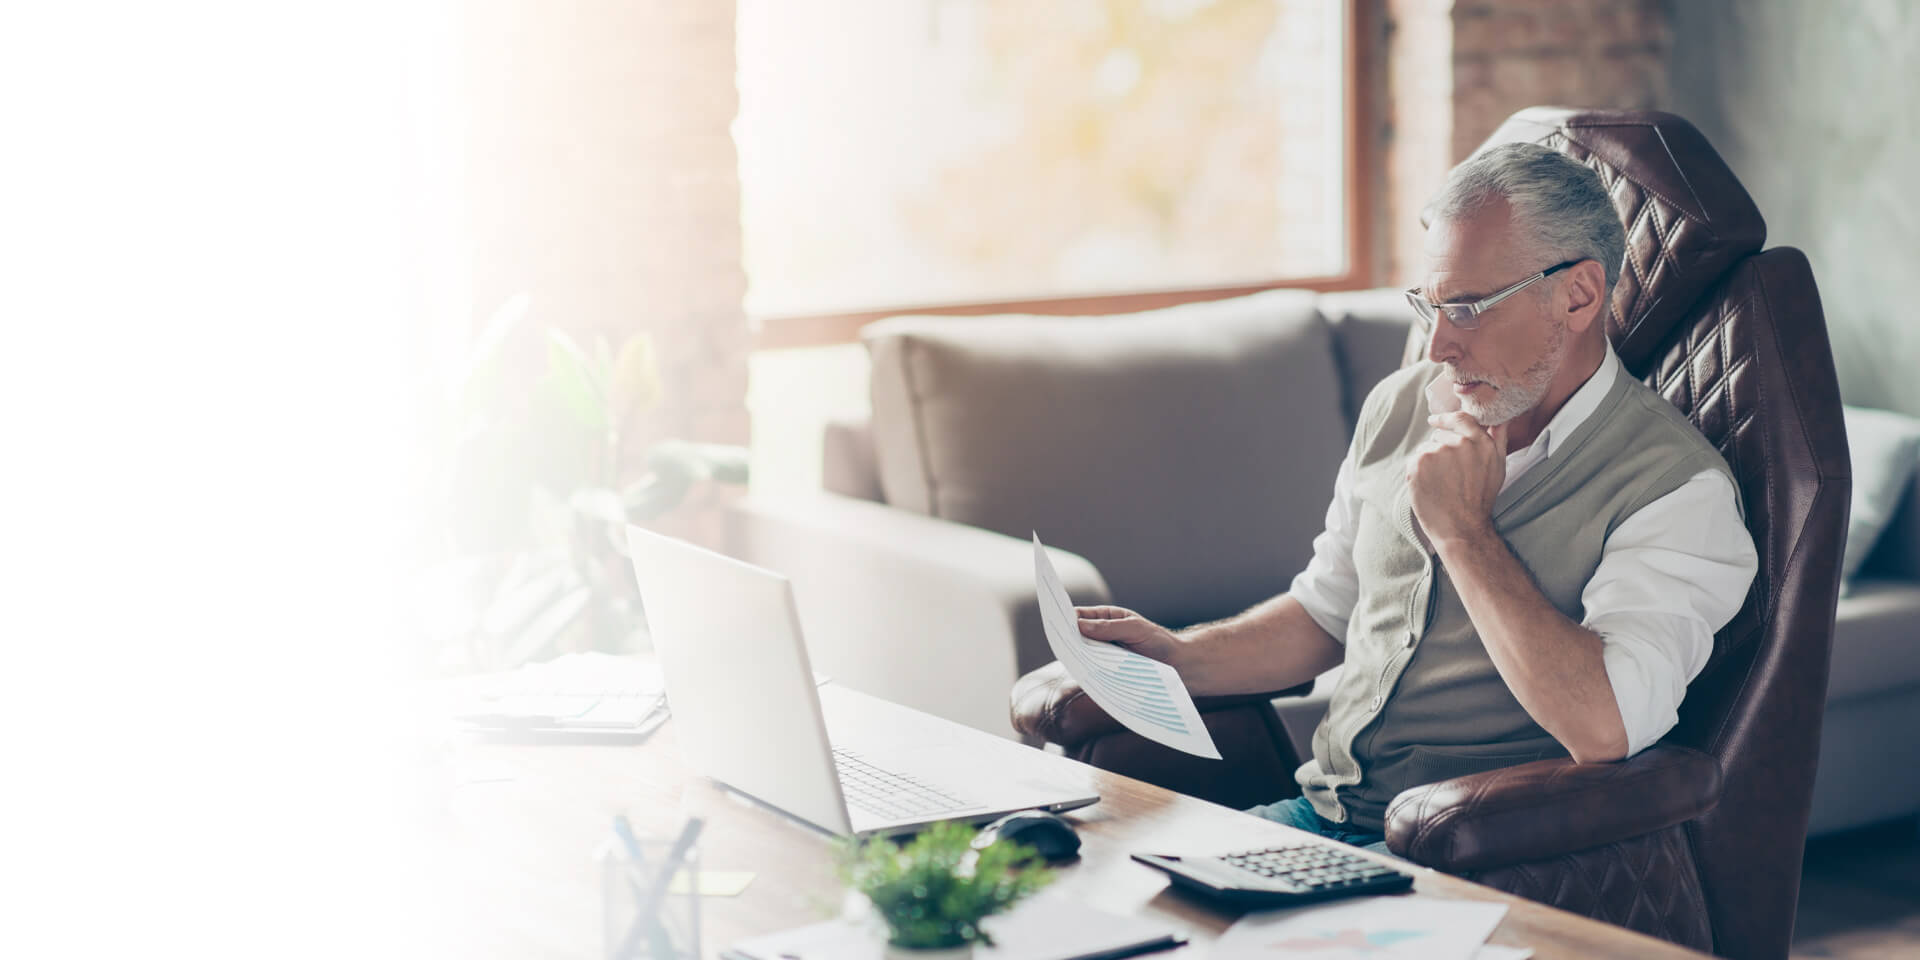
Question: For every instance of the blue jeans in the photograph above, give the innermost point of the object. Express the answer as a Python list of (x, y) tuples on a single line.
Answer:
[(1297, 812)]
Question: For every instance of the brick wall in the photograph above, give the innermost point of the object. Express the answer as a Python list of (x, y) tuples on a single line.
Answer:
[(1509, 54), (1455, 70), (1419, 105), (602, 181)]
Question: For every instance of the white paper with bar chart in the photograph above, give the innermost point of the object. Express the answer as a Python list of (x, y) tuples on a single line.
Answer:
[(1145, 695)]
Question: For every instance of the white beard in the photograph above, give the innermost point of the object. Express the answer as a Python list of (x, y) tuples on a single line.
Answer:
[(1514, 397)]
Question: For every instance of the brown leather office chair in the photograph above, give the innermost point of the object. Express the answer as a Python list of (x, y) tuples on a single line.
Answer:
[(1697, 840)]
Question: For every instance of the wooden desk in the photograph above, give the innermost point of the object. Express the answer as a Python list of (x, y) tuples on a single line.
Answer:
[(524, 883)]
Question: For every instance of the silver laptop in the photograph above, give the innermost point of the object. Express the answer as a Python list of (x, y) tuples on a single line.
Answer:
[(748, 713)]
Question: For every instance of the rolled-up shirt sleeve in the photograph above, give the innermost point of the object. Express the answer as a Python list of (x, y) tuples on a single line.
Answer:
[(1329, 586), (1669, 577)]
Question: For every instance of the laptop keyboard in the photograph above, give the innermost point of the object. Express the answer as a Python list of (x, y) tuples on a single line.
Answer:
[(890, 795)]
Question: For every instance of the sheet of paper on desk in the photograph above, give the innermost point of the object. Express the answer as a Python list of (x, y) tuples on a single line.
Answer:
[(1376, 928), (714, 883), (1047, 927), (1145, 695)]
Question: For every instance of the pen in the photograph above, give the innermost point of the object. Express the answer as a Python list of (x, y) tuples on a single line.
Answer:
[(624, 830), (649, 909)]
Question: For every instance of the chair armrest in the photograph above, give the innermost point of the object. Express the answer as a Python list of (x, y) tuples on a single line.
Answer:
[(933, 614), (1539, 810), (1050, 705)]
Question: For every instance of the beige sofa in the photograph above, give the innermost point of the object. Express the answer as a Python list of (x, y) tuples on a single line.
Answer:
[(1178, 462)]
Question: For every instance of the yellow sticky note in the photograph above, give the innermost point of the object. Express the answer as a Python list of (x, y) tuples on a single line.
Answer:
[(715, 883)]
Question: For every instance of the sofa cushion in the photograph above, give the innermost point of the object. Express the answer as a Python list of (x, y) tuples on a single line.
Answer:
[(1897, 555), (1189, 453), (1884, 448), (1876, 639), (1370, 329)]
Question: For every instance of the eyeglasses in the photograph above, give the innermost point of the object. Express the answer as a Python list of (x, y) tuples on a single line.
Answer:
[(1466, 316)]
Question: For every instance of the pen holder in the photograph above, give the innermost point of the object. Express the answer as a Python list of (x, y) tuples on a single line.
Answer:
[(627, 887)]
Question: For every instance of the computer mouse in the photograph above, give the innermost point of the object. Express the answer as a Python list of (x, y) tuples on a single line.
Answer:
[(1049, 835)]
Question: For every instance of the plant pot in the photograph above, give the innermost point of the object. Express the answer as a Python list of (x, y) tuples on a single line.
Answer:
[(961, 952)]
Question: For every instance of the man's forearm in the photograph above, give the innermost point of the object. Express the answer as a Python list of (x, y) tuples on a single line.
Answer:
[(1272, 646), (1553, 665)]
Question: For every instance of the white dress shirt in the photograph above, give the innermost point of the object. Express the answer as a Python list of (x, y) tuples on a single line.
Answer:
[(1670, 576)]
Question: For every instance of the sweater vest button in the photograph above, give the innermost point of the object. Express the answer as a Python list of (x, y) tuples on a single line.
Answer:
[(1411, 637), (1374, 707)]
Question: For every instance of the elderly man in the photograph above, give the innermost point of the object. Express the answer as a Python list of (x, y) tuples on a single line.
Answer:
[(1528, 552)]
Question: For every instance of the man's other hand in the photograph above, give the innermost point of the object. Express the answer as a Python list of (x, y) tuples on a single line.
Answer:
[(1456, 474), (1118, 625)]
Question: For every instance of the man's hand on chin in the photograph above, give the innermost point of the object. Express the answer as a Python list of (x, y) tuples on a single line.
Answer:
[(1455, 474), (1554, 666)]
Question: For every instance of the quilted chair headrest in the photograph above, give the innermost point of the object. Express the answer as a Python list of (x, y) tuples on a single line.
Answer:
[(1687, 218)]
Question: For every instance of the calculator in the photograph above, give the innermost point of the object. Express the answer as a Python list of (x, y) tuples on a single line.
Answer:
[(1280, 876)]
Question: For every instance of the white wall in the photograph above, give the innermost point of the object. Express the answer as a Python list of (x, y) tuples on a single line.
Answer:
[(1812, 104)]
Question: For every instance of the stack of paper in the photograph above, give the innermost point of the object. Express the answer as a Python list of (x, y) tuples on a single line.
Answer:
[(577, 691)]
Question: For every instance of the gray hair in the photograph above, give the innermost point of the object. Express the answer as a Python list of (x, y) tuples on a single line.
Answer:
[(1558, 203)]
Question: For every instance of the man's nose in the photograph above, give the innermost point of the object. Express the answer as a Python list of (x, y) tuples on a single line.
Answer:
[(1443, 343)]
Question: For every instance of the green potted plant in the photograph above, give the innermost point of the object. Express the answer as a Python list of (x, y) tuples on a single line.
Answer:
[(933, 891), (533, 490)]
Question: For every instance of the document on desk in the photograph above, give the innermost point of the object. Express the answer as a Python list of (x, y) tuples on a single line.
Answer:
[(1145, 695), (1048, 927), (1411, 927)]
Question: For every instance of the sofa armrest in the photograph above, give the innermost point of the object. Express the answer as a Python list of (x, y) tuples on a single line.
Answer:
[(1536, 811), (933, 614)]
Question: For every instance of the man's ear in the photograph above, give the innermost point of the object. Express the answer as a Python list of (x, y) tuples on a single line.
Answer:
[(1585, 304)]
